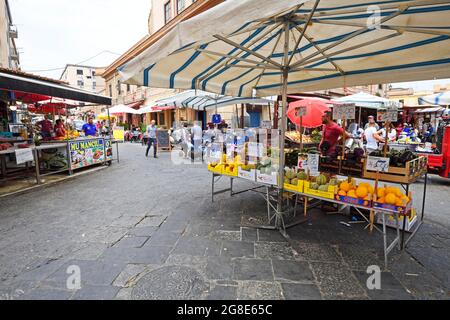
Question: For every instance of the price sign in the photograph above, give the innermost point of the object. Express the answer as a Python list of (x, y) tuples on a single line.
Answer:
[(390, 115), (377, 164), (255, 149), (344, 111), (313, 163), (300, 111), (230, 152), (24, 155)]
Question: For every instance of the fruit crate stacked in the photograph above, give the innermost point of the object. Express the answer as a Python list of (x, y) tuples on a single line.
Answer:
[(352, 193), (324, 186), (293, 180), (410, 173)]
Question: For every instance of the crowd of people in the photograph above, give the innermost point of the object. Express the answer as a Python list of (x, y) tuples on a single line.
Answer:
[(372, 134)]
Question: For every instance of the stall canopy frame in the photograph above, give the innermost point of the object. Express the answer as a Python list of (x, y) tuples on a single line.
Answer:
[(264, 47)]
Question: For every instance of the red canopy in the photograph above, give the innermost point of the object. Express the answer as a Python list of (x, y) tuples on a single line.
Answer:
[(29, 97), (49, 108), (315, 108)]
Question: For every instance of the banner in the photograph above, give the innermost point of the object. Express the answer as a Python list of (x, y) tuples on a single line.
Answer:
[(119, 133), (108, 150), (86, 153)]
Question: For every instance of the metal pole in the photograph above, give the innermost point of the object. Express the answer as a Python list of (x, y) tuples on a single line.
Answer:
[(283, 118)]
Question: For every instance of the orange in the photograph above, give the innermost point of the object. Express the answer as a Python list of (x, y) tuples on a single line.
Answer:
[(345, 186), (381, 200), (391, 199), (399, 203), (361, 191), (351, 194), (370, 188), (381, 192), (342, 193)]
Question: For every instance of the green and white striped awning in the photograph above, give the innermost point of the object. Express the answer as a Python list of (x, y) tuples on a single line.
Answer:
[(242, 47)]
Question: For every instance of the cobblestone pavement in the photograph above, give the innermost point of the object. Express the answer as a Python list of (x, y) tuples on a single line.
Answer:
[(147, 229)]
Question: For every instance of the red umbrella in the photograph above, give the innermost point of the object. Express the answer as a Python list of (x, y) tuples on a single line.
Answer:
[(315, 108)]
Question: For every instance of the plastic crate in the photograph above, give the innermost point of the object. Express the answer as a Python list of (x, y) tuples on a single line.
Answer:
[(293, 187), (324, 194)]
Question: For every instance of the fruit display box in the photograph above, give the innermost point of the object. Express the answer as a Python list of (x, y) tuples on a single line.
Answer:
[(390, 221), (409, 174), (271, 179), (296, 188), (230, 170), (215, 169), (356, 201), (324, 194), (400, 209), (247, 174)]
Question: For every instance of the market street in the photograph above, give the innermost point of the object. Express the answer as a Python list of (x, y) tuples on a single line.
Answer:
[(147, 229)]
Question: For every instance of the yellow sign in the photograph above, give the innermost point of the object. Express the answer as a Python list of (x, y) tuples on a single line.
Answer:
[(119, 133)]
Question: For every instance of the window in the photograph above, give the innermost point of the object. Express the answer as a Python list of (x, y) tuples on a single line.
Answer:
[(161, 119), (110, 90), (79, 72), (128, 88), (180, 6), (94, 85), (80, 83), (93, 73), (167, 12), (119, 87)]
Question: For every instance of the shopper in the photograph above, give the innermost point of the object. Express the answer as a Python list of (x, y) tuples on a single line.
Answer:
[(380, 135), (369, 136), (197, 139), (371, 122), (59, 128), (185, 140), (151, 132)]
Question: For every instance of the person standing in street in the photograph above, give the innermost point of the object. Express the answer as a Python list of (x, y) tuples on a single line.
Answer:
[(197, 138), (331, 134), (369, 135), (151, 133)]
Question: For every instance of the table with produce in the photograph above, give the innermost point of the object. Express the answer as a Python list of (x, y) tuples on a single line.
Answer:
[(380, 196)]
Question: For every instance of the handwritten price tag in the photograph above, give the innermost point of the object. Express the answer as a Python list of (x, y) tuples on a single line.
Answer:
[(24, 155), (377, 164), (344, 111), (390, 115)]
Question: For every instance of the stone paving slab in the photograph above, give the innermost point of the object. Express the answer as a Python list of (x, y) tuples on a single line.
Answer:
[(132, 246)]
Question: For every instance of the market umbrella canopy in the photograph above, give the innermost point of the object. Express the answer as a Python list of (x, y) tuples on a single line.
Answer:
[(178, 99), (203, 103), (442, 99), (121, 108), (244, 45), (315, 108), (366, 100)]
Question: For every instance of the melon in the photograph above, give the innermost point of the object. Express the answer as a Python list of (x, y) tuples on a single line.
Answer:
[(287, 180), (302, 175), (294, 181), (321, 179), (323, 188), (333, 182), (314, 186)]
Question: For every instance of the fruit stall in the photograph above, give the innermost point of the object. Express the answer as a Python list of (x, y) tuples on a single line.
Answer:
[(376, 186)]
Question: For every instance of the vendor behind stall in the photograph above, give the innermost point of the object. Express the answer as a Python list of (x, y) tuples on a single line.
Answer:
[(46, 127), (90, 129), (330, 134), (59, 128)]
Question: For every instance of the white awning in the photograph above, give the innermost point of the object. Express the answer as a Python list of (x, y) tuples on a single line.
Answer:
[(442, 99), (430, 110), (366, 100), (121, 108)]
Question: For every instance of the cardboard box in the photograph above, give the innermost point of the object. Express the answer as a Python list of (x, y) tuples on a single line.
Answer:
[(400, 209), (390, 221), (356, 201), (247, 174), (271, 179), (233, 172), (217, 169)]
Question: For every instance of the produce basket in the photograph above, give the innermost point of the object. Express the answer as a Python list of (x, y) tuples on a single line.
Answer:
[(292, 187), (230, 170), (355, 201), (215, 169), (329, 194), (409, 174)]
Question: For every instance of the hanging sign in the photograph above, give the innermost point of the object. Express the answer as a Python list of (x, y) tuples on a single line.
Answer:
[(313, 164), (387, 115), (300, 111), (216, 118), (24, 155), (377, 164), (344, 111), (255, 149)]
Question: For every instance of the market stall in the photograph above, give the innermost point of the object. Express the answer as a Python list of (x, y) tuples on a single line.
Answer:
[(45, 147), (264, 48)]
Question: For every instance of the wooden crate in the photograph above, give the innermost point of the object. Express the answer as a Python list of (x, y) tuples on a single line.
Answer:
[(409, 174)]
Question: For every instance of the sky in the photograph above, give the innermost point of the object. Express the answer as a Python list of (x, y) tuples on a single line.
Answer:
[(53, 33)]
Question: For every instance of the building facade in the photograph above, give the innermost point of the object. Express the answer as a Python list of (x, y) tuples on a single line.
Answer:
[(9, 56), (86, 78), (164, 15)]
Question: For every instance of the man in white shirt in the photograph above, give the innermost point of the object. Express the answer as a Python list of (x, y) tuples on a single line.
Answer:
[(197, 139), (369, 135)]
